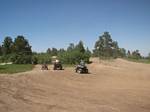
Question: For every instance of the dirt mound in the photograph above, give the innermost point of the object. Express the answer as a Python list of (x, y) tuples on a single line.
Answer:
[(111, 86)]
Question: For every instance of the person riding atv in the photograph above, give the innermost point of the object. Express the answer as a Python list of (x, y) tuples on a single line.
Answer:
[(81, 68), (44, 67), (57, 65)]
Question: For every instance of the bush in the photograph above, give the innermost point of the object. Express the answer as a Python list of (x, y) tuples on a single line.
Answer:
[(6, 58), (73, 57), (21, 58), (34, 60), (42, 58)]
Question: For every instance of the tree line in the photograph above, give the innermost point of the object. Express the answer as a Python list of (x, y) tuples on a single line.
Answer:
[(72, 55), (106, 47), (19, 51)]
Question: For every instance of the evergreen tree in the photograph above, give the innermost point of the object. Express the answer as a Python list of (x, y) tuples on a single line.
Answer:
[(7, 45), (80, 47), (128, 54), (88, 51), (122, 52), (22, 51), (54, 52), (21, 45), (105, 46), (49, 51), (71, 47), (61, 50), (136, 54)]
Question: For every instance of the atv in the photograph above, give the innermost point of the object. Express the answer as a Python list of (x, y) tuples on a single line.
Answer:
[(81, 69), (57, 66), (44, 67)]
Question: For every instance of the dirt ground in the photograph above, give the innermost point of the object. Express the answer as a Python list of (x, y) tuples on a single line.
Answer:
[(111, 86)]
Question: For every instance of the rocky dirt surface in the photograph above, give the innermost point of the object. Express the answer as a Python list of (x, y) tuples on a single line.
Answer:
[(111, 86)]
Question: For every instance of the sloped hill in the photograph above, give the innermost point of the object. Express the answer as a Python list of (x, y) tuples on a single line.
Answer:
[(112, 86)]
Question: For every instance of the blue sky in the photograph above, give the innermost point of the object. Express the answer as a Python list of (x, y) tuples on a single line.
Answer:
[(56, 23)]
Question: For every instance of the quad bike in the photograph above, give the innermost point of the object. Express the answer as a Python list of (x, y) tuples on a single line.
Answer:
[(81, 69), (57, 66), (44, 67)]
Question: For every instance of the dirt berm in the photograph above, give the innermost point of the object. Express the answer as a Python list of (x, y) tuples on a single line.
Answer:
[(111, 86)]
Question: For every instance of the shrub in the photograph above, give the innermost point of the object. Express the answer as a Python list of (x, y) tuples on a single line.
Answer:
[(21, 58), (73, 57)]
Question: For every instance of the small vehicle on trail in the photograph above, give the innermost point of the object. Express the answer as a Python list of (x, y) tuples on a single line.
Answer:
[(81, 68), (57, 65), (44, 67)]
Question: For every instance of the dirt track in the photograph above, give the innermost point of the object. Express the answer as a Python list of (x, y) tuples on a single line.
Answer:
[(116, 86)]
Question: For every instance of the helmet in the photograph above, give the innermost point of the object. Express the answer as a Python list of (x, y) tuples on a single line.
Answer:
[(57, 61)]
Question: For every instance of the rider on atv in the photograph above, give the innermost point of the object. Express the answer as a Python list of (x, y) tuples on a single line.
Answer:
[(81, 67), (57, 65)]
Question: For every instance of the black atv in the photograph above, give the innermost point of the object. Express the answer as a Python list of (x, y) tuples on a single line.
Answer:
[(44, 67), (57, 66), (81, 69)]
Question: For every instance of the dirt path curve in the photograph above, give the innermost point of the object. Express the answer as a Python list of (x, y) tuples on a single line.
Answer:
[(111, 86)]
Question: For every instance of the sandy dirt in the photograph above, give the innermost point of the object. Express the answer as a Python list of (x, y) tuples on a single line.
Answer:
[(111, 86)]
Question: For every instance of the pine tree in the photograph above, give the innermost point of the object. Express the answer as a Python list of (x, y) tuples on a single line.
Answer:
[(7, 45)]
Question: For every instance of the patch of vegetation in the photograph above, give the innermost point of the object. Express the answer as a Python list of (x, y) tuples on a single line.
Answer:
[(15, 68), (105, 47), (68, 65), (17, 51), (146, 61), (40, 58), (74, 54)]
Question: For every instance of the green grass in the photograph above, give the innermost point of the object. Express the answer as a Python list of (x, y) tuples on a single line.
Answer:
[(68, 65), (15, 68), (146, 61)]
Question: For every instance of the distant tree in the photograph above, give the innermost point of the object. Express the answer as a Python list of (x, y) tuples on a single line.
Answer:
[(122, 52), (115, 45), (136, 54), (74, 54), (105, 46), (107, 40), (34, 59), (71, 47), (88, 51), (128, 54), (54, 52), (22, 51), (61, 50), (87, 55), (21, 45), (49, 51), (41, 58), (7, 45), (80, 47), (34, 53), (116, 51)]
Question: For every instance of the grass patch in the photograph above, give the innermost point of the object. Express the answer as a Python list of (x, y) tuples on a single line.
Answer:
[(146, 61), (15, 68), (68, 65)]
